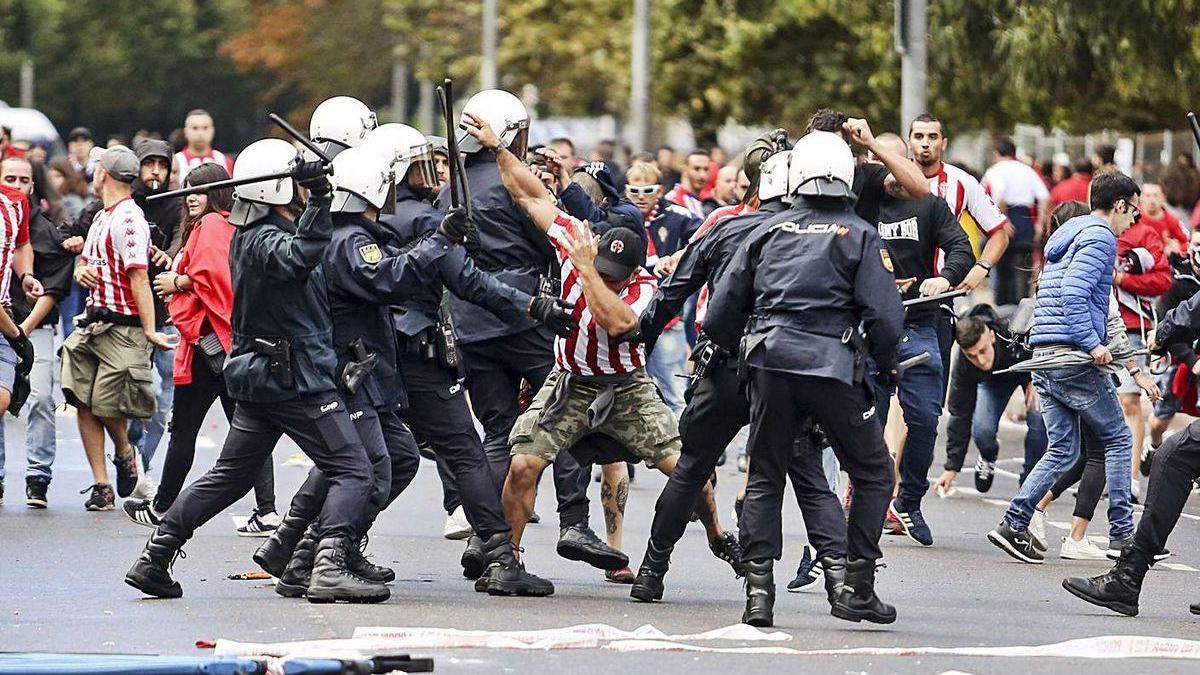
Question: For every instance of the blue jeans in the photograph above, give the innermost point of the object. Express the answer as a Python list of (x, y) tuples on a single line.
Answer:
[(666, 363), (40, 447), (145, 435), (990, 402), (921, 393), (1071, 397)]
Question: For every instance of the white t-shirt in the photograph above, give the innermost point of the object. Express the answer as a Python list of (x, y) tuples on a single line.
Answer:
[(1014, 183)]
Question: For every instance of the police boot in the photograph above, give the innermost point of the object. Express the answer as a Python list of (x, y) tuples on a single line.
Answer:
[(760, 593), (579, 542), (505, 575), (293, 583), (332, 579), (151, 573), (648, 586), (474, 560), (1117, 590), (360, 565), (834, 570), (856, 601), (277, 550)]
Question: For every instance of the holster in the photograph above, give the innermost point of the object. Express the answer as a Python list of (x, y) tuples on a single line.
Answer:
[(280, 363), (853, 338), (446, 342), (356, 371), (549, 285), (705, 356)]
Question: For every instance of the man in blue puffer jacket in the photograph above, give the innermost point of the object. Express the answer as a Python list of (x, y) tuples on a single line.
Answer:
[(1071, 315)]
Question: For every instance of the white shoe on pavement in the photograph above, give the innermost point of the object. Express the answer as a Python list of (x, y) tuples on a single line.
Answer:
[(259, 525), (146, 488), (456, 526), (1081, 550), (1037, 530)]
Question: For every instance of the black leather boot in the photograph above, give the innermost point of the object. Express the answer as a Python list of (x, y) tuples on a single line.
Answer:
[(277, 550), (834, 570), (648, 586), (365, 568), (1118, 589), (505, 575), (857, 600), (151, 572), (293, 583), (332, 580), (760, 593), (474, 560)]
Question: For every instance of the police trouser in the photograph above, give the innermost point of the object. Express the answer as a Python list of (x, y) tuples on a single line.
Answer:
[(779, 406), (320, 425), (439, 416), (1176, 465), (715, 412), (495, 369), (394, 460)]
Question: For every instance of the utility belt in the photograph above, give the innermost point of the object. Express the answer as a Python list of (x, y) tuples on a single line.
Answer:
[(705, 357), (357, 370), (436, 343), (105, 315), (829, 324), (280, 353)]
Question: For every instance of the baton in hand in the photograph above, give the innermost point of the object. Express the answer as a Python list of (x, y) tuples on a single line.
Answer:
[(935, 298), (303, 140)]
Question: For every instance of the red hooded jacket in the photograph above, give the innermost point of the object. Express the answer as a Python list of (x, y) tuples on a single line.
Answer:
[(1152, 282), (208, 305)]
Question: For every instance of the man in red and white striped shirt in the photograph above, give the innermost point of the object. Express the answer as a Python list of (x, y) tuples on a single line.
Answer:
[(600, 383), (198, 131), (106, 363)]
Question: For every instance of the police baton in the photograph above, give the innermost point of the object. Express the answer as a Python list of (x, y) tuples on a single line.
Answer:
[(935, 298), (460, 192), (300, 138), (232, 182), (911, 362)]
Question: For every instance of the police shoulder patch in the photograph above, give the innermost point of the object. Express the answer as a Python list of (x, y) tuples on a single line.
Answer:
[(370, 253), (887, 260)]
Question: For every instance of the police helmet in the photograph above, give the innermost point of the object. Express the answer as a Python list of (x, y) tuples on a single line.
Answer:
[(821, 165), (340, 122), (408, 147), (773, 176), (361, 177), (504, 113), (261, 158)]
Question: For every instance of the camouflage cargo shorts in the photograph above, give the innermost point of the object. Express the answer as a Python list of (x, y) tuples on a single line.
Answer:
[(638, 419)]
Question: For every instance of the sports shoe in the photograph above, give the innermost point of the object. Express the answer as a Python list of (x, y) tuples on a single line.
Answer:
[(1037, 530), (456, 526), (35, 492), (127, 472), (145, 488), (727, 548), (807, 574), (1083, 549), (1016, 543), (579, 542), (1148, 451), (985, 473), (913, 523), (892, 525), (259, 525), (1118, 546), (534, 518), (100, 499), (140, 512), (621, 576)]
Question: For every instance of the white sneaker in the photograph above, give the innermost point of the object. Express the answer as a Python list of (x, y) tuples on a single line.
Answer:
[(146, 488), (456, 526), (259, 525), (1081, 550), (1037, 530)]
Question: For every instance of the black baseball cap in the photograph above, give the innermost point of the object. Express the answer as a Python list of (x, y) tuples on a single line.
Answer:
[(79, 132), (619, 253)]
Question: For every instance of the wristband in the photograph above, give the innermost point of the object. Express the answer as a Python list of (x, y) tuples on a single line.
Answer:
[(175, 283), (27, 274)]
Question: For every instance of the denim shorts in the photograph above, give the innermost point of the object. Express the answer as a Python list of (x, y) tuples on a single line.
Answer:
[(8, 366)]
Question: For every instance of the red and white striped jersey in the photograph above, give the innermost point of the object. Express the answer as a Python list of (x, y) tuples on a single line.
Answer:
[(118, 241), (14, 230), (589, 350), (186, 161), (963, 193), (681, 196)]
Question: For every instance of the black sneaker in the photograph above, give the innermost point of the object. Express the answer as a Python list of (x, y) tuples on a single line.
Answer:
[(807, 574), (579, 542), (913, 523), (1147, 459), (1017, 544), (727, 548), (139, 511), (985, 473), (100, 499), (127, 473), (35, 492)]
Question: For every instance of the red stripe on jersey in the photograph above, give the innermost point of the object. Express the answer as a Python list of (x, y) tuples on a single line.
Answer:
[(961, 201), (593, 347)]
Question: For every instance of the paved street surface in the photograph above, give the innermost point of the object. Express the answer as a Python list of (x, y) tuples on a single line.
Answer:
[(61, 586)]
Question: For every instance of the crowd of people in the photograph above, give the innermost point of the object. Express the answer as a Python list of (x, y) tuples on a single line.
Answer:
[(372, 294)]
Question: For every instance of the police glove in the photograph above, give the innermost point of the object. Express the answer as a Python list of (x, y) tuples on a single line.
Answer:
[(554, 313), (312, 176), (24, 349), (454, 225), (887, 378)]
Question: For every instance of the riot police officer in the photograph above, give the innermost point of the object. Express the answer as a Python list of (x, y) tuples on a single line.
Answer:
[(498, 354), (281, 372), (798, 289)]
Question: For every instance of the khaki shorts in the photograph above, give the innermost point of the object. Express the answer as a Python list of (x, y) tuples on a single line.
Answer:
[(638, 420), (106, 368)]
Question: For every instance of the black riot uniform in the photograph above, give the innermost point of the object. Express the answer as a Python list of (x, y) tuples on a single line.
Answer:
[(281, 371), (799, 288), (717, 409), (498, 353)]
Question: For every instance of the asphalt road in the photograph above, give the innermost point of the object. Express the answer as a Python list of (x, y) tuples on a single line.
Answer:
[(61, 586)]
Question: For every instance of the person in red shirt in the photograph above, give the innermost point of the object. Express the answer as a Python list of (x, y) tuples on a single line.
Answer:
[(1074, 188), (198, 288), (1142, 274), (1155, 214), (686, 193)]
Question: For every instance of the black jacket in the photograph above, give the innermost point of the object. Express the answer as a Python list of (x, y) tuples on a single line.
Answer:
[(279, 294), (798, 283), (1185, 285), (163, 216), (363, 279), (914, 230), (52, 265), (505, 243)]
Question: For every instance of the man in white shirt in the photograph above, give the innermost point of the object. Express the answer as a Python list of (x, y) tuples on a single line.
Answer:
[(1021, 195)]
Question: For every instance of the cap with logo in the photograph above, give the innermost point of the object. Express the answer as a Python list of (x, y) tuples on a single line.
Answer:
[(120, 163), (619, 253)]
